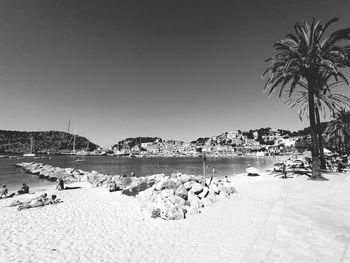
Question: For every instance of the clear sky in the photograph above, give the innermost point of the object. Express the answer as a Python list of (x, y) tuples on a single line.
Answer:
[(174, 69)]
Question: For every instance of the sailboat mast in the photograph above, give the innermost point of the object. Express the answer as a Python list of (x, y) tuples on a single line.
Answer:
[(75, 135), (31, 144), (68, 127)]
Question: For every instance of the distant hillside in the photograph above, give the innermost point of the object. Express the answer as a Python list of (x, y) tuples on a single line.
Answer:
[(49, 141), (131, 142)]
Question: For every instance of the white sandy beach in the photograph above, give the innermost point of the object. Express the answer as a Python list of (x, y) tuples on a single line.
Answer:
[(268, 220)]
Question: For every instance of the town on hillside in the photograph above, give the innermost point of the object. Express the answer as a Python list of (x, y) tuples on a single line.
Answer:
[(262, 142)]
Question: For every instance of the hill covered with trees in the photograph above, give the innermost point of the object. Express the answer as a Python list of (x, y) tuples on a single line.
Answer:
[(131, 142), (44, 141)]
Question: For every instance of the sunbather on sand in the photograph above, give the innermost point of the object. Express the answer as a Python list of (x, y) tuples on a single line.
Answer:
[(42, 198), (51, 201)]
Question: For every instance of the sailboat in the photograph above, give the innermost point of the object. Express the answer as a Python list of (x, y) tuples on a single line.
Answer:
[(67, 151), (84, 152), (31, 153)]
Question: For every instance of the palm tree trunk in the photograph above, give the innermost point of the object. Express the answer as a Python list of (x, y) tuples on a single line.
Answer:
[(315, 152), (320, 139)]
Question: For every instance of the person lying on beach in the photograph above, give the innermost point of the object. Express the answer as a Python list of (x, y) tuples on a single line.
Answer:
[(24, 189), (40, 198), (51, 201)]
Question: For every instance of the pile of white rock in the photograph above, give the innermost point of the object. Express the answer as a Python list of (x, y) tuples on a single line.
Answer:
[(68, 175), (168, 197), (179, 195)]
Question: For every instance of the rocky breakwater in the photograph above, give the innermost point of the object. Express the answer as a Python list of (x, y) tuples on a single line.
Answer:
[(180, 195), (68, 175)]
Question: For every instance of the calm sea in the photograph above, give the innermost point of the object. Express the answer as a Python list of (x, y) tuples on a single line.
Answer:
[(14, 176)]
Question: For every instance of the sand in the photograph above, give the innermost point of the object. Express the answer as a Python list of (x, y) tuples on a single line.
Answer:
[(268, 220)]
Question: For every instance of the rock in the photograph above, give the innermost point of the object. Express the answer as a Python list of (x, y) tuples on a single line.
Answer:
[(167, 193), (204, 192), (185, 178), (93, 173), (173, 212), (197, 188), (84, 178), (69, 170), (192, 210), (214, 188), (198, 178), (156, 213), (158, 186), (36, 171), (207, 201), (123, 182), (188, 185), (168, 184), (222, 194), (192, 199), (77, 174), (178, 201), (182, 192), (156, 177), (212, 198), (214, 181)]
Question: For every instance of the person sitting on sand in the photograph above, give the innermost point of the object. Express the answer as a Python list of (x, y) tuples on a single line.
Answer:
[(3, 191), (24, 189), (60, 185), (38, 203), (112, 187)]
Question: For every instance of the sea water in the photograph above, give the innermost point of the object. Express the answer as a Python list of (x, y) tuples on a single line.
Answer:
[(14, 176)]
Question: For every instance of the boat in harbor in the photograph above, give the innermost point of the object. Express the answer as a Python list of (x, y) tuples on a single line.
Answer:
[(84, 152), (31, 153)]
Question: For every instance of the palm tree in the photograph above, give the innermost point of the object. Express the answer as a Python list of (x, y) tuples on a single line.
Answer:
[(338, 130), (306, 56), (325, 102)]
